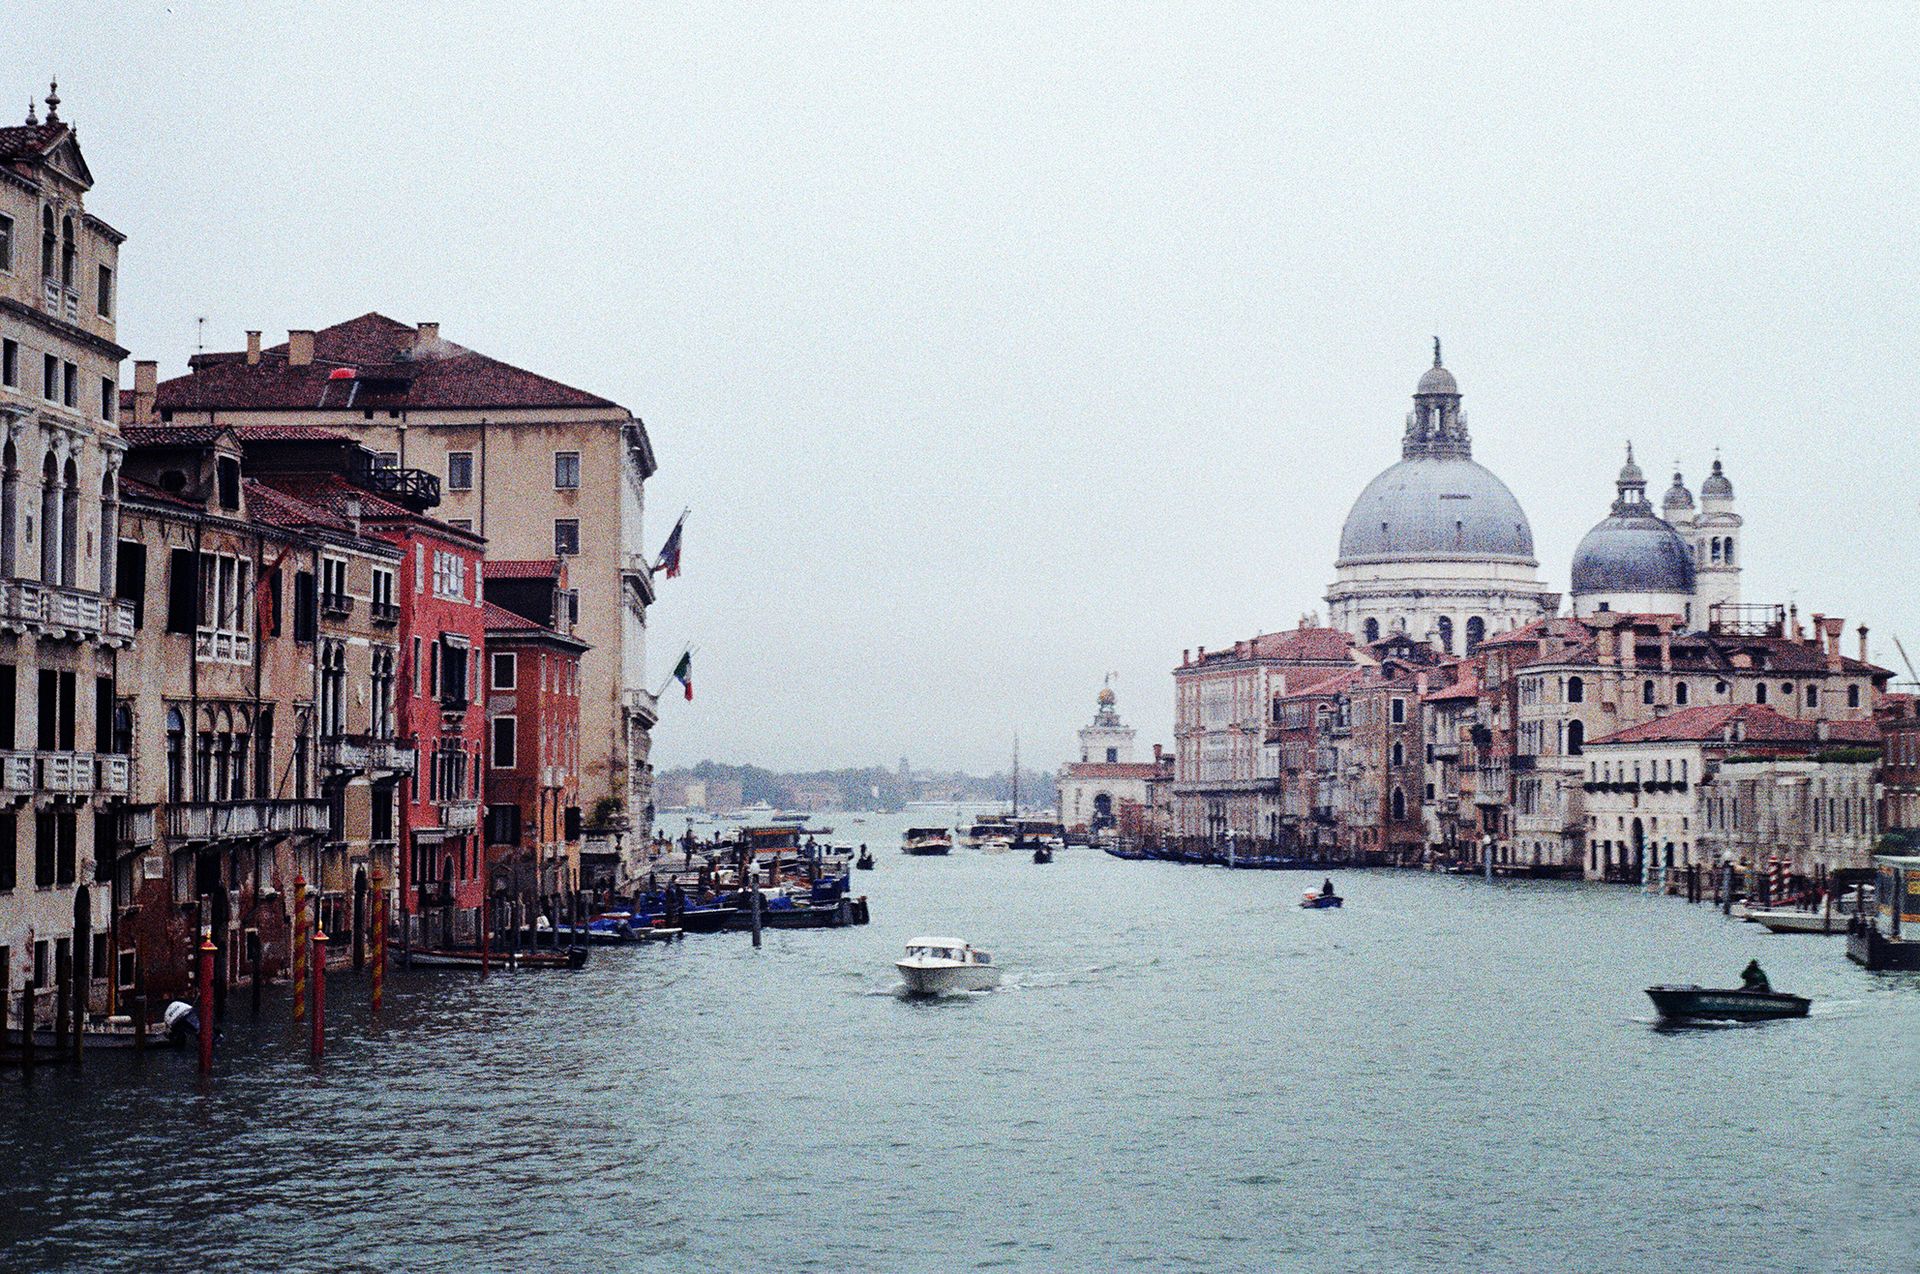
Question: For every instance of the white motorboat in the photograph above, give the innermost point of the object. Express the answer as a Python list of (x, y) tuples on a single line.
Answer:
[(936, 965), (923, 841)]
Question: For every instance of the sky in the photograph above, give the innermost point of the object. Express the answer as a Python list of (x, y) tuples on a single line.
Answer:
[(997, 348)]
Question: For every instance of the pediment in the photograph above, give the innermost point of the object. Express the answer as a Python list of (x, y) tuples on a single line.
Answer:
[(65, 158)]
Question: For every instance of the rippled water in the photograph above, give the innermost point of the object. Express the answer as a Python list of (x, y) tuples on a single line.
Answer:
[(1184, 1070)]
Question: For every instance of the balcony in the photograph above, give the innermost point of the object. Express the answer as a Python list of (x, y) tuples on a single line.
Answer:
[(415, 488), (61, 302), (641, 704), (224, 820), (459, 816), (355, 752), (336, 605), (217, 645), (17, 774), (136, 826), (386, 614), (82, 774), (64, 613)]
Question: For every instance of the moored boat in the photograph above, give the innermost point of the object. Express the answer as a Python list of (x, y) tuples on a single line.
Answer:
[(470, 958), (1793, 920), (1731, 1004), (935, 965)]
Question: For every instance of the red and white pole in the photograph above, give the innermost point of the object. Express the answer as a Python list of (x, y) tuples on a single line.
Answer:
[(319, 989), (206, 1002)]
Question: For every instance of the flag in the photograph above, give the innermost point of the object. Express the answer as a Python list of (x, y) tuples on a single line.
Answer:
[(683, 671), (341, 373), (670, 554)]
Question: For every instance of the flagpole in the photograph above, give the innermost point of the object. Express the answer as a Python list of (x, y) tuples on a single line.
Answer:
[(684, 654)]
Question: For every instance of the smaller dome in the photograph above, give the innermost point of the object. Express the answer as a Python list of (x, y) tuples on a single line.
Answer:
[(1632, 552), (1106, 697), (1717, 484), (1677, 497), (1438, 380)]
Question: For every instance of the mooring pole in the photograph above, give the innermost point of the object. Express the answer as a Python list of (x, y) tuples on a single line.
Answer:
[(484, 944), (206, 1002), (1486, 846), (299, 946), (319, 988), (379, 939), (27, 1058), (756, 908)]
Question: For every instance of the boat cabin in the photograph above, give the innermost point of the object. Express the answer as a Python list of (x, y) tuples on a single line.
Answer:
[(954, 949), (1890, 938)]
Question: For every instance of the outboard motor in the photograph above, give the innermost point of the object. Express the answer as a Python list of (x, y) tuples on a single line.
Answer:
[(182, 1022)]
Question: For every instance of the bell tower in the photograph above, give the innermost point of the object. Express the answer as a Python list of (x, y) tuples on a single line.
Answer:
[(1716, 546)]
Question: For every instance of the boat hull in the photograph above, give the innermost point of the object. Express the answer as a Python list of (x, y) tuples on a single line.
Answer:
[(946, 978), (927, 851), (469, 958), (1317, 903), (1694, 1003), (1801, 921)]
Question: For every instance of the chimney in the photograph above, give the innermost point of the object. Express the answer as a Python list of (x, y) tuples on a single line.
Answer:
[(299, 347), (146, 379), (1186, 657), (253, 346), (1606, 645), (1819, 630), (1793, 620), (1629, 648), (1158, 752), (1863, 643), (1666, 650), (426, 336), (1833, 625)]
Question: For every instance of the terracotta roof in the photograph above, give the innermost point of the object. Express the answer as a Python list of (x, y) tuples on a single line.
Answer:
[(1293, 644), (538, 568), (147, 491), (171, 435), (29, 141), (1111, 769), (500, 617), (291, 433), (393, 369), (1332, 683), (1759, 723)]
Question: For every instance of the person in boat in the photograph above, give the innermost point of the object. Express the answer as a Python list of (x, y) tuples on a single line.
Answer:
[(1326, 887), (1754, 978)]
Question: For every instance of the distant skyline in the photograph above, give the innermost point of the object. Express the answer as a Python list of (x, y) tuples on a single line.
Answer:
[(998, 347)]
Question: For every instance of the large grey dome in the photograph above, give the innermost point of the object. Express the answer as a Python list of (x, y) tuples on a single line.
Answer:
[(1436, 507), (1632, 552)]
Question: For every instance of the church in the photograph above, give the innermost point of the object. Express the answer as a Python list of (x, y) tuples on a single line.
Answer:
[(1438, 549)]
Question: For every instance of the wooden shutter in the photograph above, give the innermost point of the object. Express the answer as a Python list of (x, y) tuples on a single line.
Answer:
[(130, 578), (183, 591)]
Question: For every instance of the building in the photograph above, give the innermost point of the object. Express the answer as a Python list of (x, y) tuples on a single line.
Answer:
[(538, 469), (441, 708), (533, 758), (1682, 564), (1098, 791), (1383, 771), (1223, 701), (1737, 783), (63, 768), (1299, 761), (1436, 547)]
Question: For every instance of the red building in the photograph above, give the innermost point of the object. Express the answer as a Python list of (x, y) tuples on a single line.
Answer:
[(533, 757), (441, 711)]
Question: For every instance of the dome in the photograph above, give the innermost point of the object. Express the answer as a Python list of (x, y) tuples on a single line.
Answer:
[(1717, 484), (1436, 507), (1106, 698), (1438, 380), (1632, 552), (1677, 497)]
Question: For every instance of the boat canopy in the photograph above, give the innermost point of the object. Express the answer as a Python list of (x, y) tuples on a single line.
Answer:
[(960, 943), (926, 831)]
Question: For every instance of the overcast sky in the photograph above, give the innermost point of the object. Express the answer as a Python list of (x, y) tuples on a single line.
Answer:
[(998, 347)]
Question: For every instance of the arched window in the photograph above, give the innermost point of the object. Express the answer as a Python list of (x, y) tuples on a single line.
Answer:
[(1813, 695), (48, 243), (1646, 691), (1372, 631), (1716, 550), (1727, 550), (1759, 692), (176, 756), (70, 526), (1446, 634), (50, 520), (1683, 769), (1476, 633), (1399, 805), (9, 509), (1399, 755), (68, 252), (1576, 738), (1576, 690), (1680, 693), (1720, 687), (1853, 696)]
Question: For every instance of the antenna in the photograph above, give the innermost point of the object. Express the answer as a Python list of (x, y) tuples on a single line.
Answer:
[(200, 334), (1903, 659)]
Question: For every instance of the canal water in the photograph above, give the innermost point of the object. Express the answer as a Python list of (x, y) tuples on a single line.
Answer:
[(1184, 1070)]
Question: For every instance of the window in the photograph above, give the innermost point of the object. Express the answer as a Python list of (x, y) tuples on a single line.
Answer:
[(1813, 696), (452, 669), (503, 824), (1446, 634), (566, 537), (449, 575), (1576, 690), (1759, 692), (6, 244), (10, 364), (1646, 691), (103, 298), (109, 395), (227, 472), (1476, 633), (1853, 696), (50, 378), (506, 671), (1372, 631), (69, 384), (566, 470), (506, 736), (1113, 755), (1576, 738), (333, 585), (305, 615), (1399, 755), (386, 460), (9, 844), (1397, 711), (1680, 693), (459, 471)]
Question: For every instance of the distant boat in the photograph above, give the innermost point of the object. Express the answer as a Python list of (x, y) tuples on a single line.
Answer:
[(1728, 1005), (865, 861), (934, 965), (1313, 899), (923, 842)]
